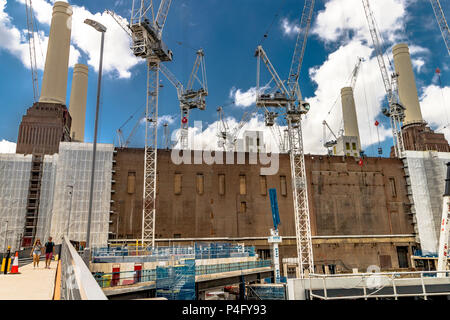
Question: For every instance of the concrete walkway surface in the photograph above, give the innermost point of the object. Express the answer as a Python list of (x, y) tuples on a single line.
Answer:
[(30, 284)]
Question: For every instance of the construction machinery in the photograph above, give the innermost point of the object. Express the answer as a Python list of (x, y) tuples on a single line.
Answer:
[(286, 97), (222, 129), (396, 111), (32, 48), (121, 142), (326, 142), (227, 138), (146, 30), (442, 22), (189, 97)]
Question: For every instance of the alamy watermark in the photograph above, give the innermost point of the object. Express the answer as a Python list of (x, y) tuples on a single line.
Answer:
[(251, 144)]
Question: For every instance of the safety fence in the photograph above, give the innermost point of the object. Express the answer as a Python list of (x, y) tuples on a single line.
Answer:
[(229, 267), (383, 285), (197, 251), (125, 278)]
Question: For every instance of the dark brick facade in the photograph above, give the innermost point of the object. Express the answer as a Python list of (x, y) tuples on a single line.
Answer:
[(353, 209), (42, 129), (420, 137)]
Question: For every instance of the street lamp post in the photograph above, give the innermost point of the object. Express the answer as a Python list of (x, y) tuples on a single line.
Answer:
[(70, 209), (102, 29)]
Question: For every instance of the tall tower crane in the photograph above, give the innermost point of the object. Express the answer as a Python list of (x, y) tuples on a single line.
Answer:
[(222, 129), (442, 22), (396, 111), (122, 143), (228, 138), (146, 34), (32, 48), (289, 100), (189, 97)]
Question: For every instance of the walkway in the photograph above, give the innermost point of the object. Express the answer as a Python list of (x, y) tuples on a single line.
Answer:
[(30, 284)]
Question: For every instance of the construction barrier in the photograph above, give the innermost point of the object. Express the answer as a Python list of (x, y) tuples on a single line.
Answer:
[(15, 265)]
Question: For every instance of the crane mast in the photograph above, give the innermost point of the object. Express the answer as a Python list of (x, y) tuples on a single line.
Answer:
[(222, 129), (396, 111), (146, 34), (290, 101), (442, 22), (32, 48)]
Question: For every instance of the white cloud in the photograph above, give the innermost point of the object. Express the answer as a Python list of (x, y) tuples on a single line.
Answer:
[(418, 64), (243, 99), (331, 77), (207, 138), (341, 16), (435, 108), (118, 57), (289, 28), (169, 119), (15, 41), (7, 147)]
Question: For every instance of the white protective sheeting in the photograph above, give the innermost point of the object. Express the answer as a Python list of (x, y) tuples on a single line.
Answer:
[(427, 172), (46, 197), (74, 169), (14, 185)]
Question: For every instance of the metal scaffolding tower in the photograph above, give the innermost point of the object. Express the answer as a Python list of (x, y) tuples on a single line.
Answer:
[(289, 100), (146, 33)]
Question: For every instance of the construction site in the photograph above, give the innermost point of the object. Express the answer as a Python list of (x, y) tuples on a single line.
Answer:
[(170, 221)]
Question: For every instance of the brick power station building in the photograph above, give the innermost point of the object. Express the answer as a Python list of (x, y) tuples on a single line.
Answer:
[(374, 214)]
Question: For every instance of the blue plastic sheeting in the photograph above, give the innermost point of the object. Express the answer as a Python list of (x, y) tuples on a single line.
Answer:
[(176, 282)]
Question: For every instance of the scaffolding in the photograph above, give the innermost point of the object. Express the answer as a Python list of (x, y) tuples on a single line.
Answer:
[(14, 184), (46, 197), (71, 193), (176, 282), (425, 173)]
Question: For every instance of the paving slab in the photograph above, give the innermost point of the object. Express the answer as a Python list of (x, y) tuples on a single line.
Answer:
[(30, 284)]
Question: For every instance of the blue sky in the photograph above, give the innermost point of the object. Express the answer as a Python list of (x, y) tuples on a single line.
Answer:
[(229, 32)]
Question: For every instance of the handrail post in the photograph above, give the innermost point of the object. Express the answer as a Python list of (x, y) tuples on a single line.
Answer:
[(310, 289), (325, 287), (423, 287), (394, 287)]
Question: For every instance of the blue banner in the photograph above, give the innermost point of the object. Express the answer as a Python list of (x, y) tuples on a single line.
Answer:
[(274, 205)]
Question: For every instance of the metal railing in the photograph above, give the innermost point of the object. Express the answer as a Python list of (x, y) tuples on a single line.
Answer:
[(126, 278), (199, 251), (380, 285), (230, 267), (77, 282)]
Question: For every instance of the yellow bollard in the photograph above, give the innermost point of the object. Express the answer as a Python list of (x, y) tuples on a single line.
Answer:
[(9, 265), (3, 265)]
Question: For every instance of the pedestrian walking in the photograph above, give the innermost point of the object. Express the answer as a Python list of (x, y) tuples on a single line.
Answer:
[(49, 247), (36, 252)]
